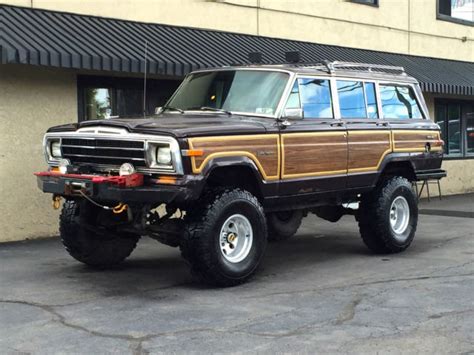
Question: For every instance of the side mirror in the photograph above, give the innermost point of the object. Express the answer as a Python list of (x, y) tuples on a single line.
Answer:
[(158, 110), (293, 113)]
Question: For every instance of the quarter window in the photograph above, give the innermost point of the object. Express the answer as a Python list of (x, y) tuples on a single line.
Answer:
[(399, 102), (294, 98)]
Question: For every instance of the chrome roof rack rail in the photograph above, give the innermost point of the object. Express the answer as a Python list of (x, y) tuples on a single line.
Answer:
[(334, 66)]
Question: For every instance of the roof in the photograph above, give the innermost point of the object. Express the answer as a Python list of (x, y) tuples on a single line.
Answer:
[(57, 39)]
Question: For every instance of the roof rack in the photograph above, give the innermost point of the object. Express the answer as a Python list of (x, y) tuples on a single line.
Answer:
[(332, 67)]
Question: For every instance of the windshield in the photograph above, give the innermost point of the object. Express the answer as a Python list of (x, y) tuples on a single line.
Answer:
[(248, 91)]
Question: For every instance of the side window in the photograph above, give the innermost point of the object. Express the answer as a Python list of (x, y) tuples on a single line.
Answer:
[(399, 102), (351, 99), (315, 96)]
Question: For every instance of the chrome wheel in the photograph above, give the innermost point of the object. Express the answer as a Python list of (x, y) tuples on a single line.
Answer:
[(236, 237), (399, 217)]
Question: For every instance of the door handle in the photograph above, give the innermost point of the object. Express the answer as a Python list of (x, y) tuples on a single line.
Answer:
[(337, 124), (384, 124)]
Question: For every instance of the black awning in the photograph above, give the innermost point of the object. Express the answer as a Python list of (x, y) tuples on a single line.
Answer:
[(57, 39)]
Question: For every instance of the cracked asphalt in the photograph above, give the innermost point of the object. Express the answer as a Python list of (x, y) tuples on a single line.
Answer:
[(321, 291)]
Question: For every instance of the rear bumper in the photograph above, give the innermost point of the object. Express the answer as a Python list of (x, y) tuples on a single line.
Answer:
[(430, 174), (185, 189)]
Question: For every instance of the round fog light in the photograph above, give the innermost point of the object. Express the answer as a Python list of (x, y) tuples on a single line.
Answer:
[(126, 169), (63, 164)]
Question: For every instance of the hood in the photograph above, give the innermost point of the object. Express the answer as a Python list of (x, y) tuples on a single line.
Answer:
[(184, 125)]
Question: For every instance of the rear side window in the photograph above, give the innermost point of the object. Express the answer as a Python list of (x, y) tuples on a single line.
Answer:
[(357, 99), (315, 96), (351, 99), (399, 102)]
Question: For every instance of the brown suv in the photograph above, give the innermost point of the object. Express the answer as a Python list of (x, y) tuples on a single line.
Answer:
[(238, 156)]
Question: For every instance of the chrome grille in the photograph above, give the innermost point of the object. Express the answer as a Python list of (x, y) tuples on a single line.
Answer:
[(103, 151)]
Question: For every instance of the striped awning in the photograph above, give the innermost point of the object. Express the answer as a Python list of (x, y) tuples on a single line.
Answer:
[(58, 39)]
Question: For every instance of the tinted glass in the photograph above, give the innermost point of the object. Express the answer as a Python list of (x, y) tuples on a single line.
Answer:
[(399, 102), (470, 129), (315, 96), (372, 109), (351, 99), (440, 118), (454, 129), (98, 102)]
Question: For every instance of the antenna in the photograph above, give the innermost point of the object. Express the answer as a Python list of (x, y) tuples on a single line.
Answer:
[(144, 79)]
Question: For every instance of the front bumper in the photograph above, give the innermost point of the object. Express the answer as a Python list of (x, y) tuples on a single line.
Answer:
[(187, 188)]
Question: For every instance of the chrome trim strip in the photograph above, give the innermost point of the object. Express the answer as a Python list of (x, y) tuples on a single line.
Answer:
[(101, 157), (89, 147)]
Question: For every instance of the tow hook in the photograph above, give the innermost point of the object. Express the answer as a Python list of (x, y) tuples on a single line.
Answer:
[(56, 202)]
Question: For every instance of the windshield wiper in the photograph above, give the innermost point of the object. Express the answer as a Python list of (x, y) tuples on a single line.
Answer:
[(208, 108), (172, 109)]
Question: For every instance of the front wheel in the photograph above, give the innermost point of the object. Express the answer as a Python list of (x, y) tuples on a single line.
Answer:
[(388, 216), (225, 238), (88, 242)]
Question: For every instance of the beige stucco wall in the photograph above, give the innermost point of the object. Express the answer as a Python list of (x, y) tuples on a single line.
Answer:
[(401, 26), (31, 100), (460, 177)]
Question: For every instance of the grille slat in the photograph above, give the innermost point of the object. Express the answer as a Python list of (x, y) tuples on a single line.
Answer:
[(98, 151), (90, 147)]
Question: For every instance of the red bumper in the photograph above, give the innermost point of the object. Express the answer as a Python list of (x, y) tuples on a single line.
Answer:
[(133, 180)]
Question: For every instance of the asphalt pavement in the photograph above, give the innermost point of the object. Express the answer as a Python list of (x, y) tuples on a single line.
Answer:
[(322, 291)]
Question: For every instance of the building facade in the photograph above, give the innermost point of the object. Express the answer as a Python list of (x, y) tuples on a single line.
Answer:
[(64, 61)]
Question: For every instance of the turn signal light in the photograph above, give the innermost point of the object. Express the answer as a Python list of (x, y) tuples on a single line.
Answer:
[(192, 152), (166, 180)]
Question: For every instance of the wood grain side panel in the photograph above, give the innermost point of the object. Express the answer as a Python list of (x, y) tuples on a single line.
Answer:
[(314, 154), (367, 149), (263, 150), (415, 141)]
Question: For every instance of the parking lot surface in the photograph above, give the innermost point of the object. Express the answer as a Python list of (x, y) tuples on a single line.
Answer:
[(320, 291)]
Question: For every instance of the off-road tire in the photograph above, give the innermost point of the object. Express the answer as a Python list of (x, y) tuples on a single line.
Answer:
[(283, 225), (374, 216), (95, 249), (201, 242)]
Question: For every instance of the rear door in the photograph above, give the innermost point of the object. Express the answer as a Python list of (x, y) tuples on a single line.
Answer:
[(314, 148), (369, 138)]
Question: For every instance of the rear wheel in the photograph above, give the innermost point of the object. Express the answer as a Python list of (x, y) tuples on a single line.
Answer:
[(89, 243), (388, 217), (283, 225), (225, 238)]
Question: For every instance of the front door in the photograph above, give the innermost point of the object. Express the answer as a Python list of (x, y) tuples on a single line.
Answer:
[(314, 149)]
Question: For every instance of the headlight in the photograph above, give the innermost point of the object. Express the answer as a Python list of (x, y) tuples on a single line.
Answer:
[(163, 156), (55, 149)]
